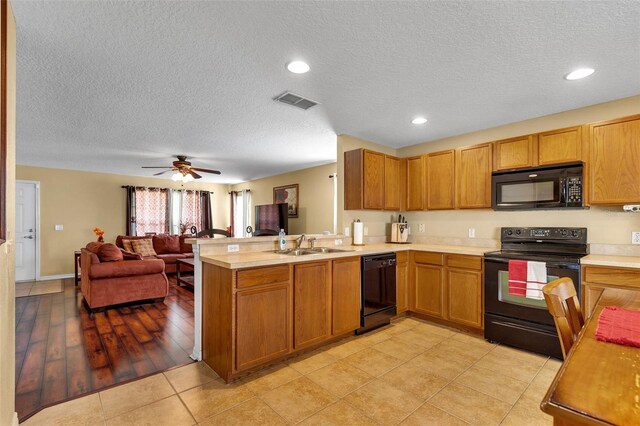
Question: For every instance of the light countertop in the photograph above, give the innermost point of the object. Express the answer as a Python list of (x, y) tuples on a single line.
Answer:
[(254, 259), (610, 260)]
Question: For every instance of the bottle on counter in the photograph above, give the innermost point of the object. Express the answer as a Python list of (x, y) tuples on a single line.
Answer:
[(281, 240)]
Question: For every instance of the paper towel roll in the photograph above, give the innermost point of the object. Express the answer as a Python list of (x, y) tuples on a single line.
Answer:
[(358, 233)]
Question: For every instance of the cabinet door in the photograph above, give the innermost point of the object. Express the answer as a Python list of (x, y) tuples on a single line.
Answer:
[(560, 146), (373, 180), (514, 153), (402, 277), (464, 298), (345, 295), (429, 290), (391, 183), (590, 296), (615, 161), (311, 304), (473, 177), (414, 183), (440, 180), (262, 325)]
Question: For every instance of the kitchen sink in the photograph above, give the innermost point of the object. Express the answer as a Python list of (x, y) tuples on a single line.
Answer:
[(303, 252)]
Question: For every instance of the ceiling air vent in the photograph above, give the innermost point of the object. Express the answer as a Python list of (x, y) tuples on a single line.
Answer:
[(295, 100)]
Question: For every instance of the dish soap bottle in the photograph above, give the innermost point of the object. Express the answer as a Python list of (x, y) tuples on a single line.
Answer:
[(281, 240)]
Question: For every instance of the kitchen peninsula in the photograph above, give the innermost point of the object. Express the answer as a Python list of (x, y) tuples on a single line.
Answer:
[(259, 306)]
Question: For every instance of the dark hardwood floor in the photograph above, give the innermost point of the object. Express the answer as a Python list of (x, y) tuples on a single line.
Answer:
[(62, 352)]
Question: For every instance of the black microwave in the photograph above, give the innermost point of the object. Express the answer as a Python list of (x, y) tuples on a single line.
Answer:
[(548, 187)]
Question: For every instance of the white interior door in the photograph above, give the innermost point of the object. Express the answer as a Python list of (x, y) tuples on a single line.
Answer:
[(26, 231)]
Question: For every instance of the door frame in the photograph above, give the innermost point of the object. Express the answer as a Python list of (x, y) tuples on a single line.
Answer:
[(37, 185)]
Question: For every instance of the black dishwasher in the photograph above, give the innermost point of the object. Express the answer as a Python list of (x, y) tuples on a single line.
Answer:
[(378, 291)]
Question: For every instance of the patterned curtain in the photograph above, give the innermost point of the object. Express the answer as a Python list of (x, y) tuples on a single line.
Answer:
[(152, 210), (191, 209)]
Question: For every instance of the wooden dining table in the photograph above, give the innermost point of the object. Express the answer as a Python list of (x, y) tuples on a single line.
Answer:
[(599, 382)]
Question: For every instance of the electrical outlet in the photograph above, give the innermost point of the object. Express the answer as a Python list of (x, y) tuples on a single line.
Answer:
[(635, 237), (232, 248), (472, 232), (346, 231), (421, 227), (59, 227), (337, 242), (366, 230)]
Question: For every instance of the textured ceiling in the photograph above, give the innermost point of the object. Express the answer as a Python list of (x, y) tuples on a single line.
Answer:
[(111, 86)]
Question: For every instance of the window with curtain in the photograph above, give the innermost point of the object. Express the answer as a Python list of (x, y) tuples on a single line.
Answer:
[(240, 212), (151, 210)]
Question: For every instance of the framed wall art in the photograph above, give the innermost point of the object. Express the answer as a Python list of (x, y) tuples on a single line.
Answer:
[(287, 194)]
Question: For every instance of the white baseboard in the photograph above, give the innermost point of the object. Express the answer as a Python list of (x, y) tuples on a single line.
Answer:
[(55, 277)]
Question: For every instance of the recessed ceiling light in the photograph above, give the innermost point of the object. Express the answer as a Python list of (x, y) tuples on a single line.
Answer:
[(298, 67), (579, 73), (419, 120)]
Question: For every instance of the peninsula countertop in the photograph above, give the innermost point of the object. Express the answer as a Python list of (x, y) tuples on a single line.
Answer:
[(250, 259)]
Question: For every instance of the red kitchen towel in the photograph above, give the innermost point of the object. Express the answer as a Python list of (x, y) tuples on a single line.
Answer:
[(518, 277), (619, 325)]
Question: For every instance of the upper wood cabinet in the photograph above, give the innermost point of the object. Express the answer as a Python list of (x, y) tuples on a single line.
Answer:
[(561, 146), (415, 185), (473, 176), (311, 304), (614, 167), (514, 153), (440, 180), (345, 295), (373, 181), (391, 183)]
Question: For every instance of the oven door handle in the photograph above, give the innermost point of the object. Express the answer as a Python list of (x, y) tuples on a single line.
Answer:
[(559, 265)]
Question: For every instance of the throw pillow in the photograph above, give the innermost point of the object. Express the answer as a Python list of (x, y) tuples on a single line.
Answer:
[(129, 255), (94, 247), (127, 245), (166, 244), (143, 247), (109, 253)]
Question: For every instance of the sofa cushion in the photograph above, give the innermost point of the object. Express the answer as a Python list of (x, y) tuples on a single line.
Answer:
[(165, 244), (143, 247), (127, 246), (94, 247), (171, 258), (126, 268), (129, 255), (109, 253), (184, 247), (120, 238)]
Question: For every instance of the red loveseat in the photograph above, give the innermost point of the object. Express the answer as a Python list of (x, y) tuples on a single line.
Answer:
[(168, 248), (109, 279)]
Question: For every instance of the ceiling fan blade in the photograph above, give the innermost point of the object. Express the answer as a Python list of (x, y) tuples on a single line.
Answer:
[(149, 167), (194, 174), (161, 173), (216, 172)]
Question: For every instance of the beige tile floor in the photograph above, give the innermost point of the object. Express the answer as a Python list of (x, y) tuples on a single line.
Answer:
[(35, 288), (410, 373)]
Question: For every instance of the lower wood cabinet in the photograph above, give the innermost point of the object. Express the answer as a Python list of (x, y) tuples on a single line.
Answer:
[(311, 304), (345, 295), (402, 281), (262, 316), (448, 287), (596, 278)]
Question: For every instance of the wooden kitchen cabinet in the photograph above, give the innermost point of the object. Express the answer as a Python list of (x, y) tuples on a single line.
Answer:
[(415, 183), (561, 146), (345, 295), (392, 179), (440, 180), (311, 303), (615, 161), (364, 180), (473, 176), (514, 153), (428, 284), (596, 278), (464, 290), (402, 278), (262, 325)]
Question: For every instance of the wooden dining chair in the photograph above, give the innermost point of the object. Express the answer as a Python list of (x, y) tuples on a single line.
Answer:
[(564, 306)]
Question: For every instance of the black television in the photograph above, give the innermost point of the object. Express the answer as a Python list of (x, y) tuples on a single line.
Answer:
[(273, 217)]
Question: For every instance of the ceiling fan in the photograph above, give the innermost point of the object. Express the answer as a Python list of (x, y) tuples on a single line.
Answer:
[(183, 170)]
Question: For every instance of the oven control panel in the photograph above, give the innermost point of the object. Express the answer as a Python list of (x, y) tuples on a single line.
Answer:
[(567, 234)]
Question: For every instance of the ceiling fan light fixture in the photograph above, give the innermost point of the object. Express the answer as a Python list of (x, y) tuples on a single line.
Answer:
[(187, 178), (176, 176)]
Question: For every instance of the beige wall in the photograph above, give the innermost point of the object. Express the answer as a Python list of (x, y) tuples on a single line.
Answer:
[(315, 198), (7, 261), (606, 225), (80, 201)]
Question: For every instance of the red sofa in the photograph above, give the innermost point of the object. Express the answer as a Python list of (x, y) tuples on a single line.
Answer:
[(106, 281), (169, 248)]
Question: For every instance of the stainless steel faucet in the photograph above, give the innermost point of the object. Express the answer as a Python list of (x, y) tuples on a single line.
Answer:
[(312, 242), (300, 240)]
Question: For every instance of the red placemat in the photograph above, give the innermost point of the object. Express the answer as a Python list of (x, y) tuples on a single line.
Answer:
[(619, 325)]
